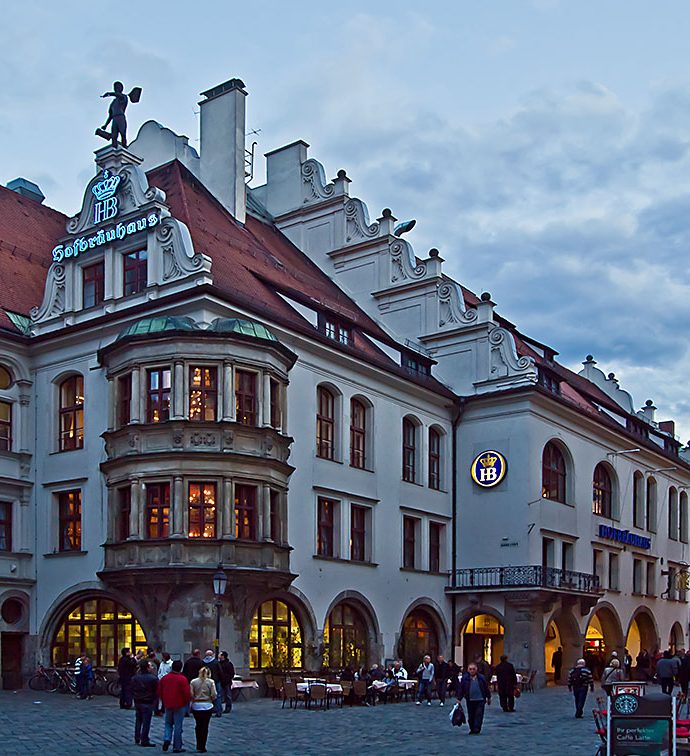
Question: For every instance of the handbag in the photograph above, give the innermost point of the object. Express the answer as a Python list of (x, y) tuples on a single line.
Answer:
[(457, 715), (517, 692)]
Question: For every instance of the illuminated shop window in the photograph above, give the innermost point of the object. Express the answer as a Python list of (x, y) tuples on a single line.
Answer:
[(72, 413), (100, 628), (345, 638), (202, 510), (275, 638), (203, 393)]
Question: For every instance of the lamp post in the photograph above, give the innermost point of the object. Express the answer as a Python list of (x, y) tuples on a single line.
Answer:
[(220, 582)]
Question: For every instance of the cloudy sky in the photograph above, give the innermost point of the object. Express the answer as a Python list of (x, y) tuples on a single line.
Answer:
[(542, 145)]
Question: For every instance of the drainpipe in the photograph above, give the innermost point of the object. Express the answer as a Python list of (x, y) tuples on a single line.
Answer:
[(459, 408)]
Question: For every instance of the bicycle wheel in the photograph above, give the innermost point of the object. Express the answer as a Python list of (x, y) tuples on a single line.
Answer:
[(38, 682), (114, 688), (98, 687)]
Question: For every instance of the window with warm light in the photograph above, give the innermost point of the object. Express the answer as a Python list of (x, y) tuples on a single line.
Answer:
[(345, 638), (275, 638), (5, 426), (124, 400), (135, 272), (358, 433), (72, 413), (245, 397), (69, 514), (325, 424), (93, 284), (157, 510), (5, 378), (602, 491), (202, 510), (553, 473), (203, 393), (245, 512), (158, 388), (409, 451)]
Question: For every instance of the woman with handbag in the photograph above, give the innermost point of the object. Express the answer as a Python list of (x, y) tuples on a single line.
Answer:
[(506, 680), (612, 674), (204, 696)]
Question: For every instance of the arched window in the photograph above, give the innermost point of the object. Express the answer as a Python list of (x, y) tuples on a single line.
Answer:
[(5, 378), (673, 528), (275, 637), (72, 413), (683, 517), (434, 459), (419, 638), (602, 491), (358, 434), (651, 505), (99, 627), (409, 450), (553, 473), (638, 500), (325, 423), (345, 638)]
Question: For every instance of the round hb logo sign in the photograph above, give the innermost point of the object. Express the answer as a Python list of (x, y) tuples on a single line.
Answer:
[(488, 469)]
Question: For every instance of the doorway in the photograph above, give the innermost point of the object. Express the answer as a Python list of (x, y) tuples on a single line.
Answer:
[(11, 648)]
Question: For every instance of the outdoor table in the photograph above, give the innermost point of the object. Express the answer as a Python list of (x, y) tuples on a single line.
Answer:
[(303, 687), (494, 680), (239, 687)]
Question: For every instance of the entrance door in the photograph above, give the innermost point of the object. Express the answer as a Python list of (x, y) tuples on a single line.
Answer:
[(11, 655)]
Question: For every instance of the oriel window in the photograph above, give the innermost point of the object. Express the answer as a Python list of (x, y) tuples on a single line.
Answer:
[(135, 272), (203, 393), (72, 413), (124, 510), (245, 512), (69, 514), (245, 397), (275, 517), (5, 426), (157, 510), (325, 423), (275, 404), (124, 400), (158, 395), (202, 510), (358, 433), (93, 284)]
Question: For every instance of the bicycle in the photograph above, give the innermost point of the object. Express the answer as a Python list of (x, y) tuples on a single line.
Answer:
[(99, 684), (44, 680), (68, 682)]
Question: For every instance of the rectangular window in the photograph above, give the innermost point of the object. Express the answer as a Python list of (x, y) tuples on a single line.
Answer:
[(358, 533), (567, 550), (435, 530), (613, 572), (69, 513), (124, 400), (336, 331), (434, 459), (5, 526), (325, 424), (157, 510), (5, 426), (275, 517), (158, 395), (202, 510), (124, 509), (547, 553), (245, 397), (358, 433), (135, 273), (72, 413), (410, 542), (650, 582), (93, 284), (275, 404), (637, 576), (409, 451), (597, 561), (325, 545), (203, 393), (638, 501), (245, 512)]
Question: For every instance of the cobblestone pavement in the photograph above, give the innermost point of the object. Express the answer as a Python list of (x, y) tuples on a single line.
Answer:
[(544, 725)]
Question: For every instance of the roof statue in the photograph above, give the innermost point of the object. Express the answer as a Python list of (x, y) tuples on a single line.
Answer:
[(116, 113)]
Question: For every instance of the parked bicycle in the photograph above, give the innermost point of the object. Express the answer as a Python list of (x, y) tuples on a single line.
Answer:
[(45, 679)]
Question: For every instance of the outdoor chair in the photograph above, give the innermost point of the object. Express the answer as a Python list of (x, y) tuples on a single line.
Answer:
[(317, 696), (270, 689), (359, 689), (600, 729), (603, 704), (278, 683), (291, 694), (335, 696), (347, 690)]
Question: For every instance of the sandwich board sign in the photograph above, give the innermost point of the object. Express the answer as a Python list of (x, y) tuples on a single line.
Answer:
[(641, 725)]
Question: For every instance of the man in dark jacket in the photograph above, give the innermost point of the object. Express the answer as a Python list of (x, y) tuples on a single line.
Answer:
[(441, 675), (580, 680), (684, 673), (506, 680), (227, 673), (474, 688), (557, 664), (126, 668), (144, 692), (213, 665), (193, 665)]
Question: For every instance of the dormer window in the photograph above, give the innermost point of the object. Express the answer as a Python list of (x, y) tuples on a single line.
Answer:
[(334, 329), (549, 381), (93, 284), (135, 272), (415, 364)]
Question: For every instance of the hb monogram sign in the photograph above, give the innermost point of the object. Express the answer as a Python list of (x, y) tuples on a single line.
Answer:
[(488, 468), (105, 206)]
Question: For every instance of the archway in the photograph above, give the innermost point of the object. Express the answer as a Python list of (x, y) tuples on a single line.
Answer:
[(419, 637), (482, 637), (603, 635), (98, 626), (676, 638), (642, 633), (562, 633), (346, 637), (276, 639)]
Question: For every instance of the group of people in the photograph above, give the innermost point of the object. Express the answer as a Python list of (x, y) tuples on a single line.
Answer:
[(200, 686)]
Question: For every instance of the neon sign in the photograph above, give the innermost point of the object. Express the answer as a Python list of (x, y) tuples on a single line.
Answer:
[(104, 236), (624, 536), (106, 205)]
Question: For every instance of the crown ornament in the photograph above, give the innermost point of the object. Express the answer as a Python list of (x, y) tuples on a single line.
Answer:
[(106, 188), (488, 461)]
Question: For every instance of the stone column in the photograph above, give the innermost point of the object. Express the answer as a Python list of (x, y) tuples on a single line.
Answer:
[(265, 533), (220, 508), (24, 521), (228, 504), (134, 513), (135, 401), (266, 403), (178, 392), (524, 633), (178, 508), (228, 412)]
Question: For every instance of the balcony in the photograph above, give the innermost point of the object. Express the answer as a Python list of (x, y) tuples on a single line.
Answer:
[(521, 578)]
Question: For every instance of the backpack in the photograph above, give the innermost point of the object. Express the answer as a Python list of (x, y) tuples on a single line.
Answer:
[(576, 677)]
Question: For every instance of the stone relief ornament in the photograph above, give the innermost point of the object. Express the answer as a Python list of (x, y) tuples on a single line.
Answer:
[(451, 306), (314, 182), (54, 295), (179, 257), (357, 224), (504, 357), (404, 266)]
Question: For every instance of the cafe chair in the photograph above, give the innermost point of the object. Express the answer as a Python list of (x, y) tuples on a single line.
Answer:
[(291, 694), (359, 690), (600, 729), (317, 696)]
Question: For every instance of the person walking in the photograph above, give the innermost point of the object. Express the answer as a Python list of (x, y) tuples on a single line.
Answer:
[(144, 692), (506, 680), (643, 665), (483, 667), (192, 666), (126, 669), (204, 695), (175, 694), (666, 669), (425, 672), (441, 675), (611, 675), (580, 680), (684, 673), (213, 665), (474, 688), (227, 674), (557, 664), (627, 665), (164, 668)]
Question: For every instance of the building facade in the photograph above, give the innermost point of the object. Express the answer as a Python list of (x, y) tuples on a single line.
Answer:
[(196, 374)]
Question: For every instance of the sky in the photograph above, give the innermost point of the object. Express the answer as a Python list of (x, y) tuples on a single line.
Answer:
[(543, 146)]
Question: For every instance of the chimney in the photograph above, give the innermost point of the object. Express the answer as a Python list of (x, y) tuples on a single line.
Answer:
[(668, 426), (222, 145), (27, 189), (649, 411)]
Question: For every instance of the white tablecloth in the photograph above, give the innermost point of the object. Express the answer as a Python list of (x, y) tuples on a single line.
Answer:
[(244, 684), (303, 687), (380, 685), (494, 679)]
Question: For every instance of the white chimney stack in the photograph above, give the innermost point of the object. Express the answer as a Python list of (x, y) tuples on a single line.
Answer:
[(222, 145)]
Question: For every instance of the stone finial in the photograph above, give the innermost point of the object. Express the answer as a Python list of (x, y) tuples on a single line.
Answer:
[(485, 308), (649, 411), (386, 222), (341, 182), (485, 297), (433, 252)]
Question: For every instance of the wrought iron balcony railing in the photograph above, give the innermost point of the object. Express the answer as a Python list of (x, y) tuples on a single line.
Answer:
[(520, 577)]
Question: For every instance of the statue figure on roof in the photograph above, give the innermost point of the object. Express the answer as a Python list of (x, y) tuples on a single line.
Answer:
[(116, 113)]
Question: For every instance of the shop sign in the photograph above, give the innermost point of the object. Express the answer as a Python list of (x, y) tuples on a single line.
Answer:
[(106, 206), (640, 725), (624, 536), (488, 468)]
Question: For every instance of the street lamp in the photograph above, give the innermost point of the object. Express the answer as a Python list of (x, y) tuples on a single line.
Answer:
[(220, 582)]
